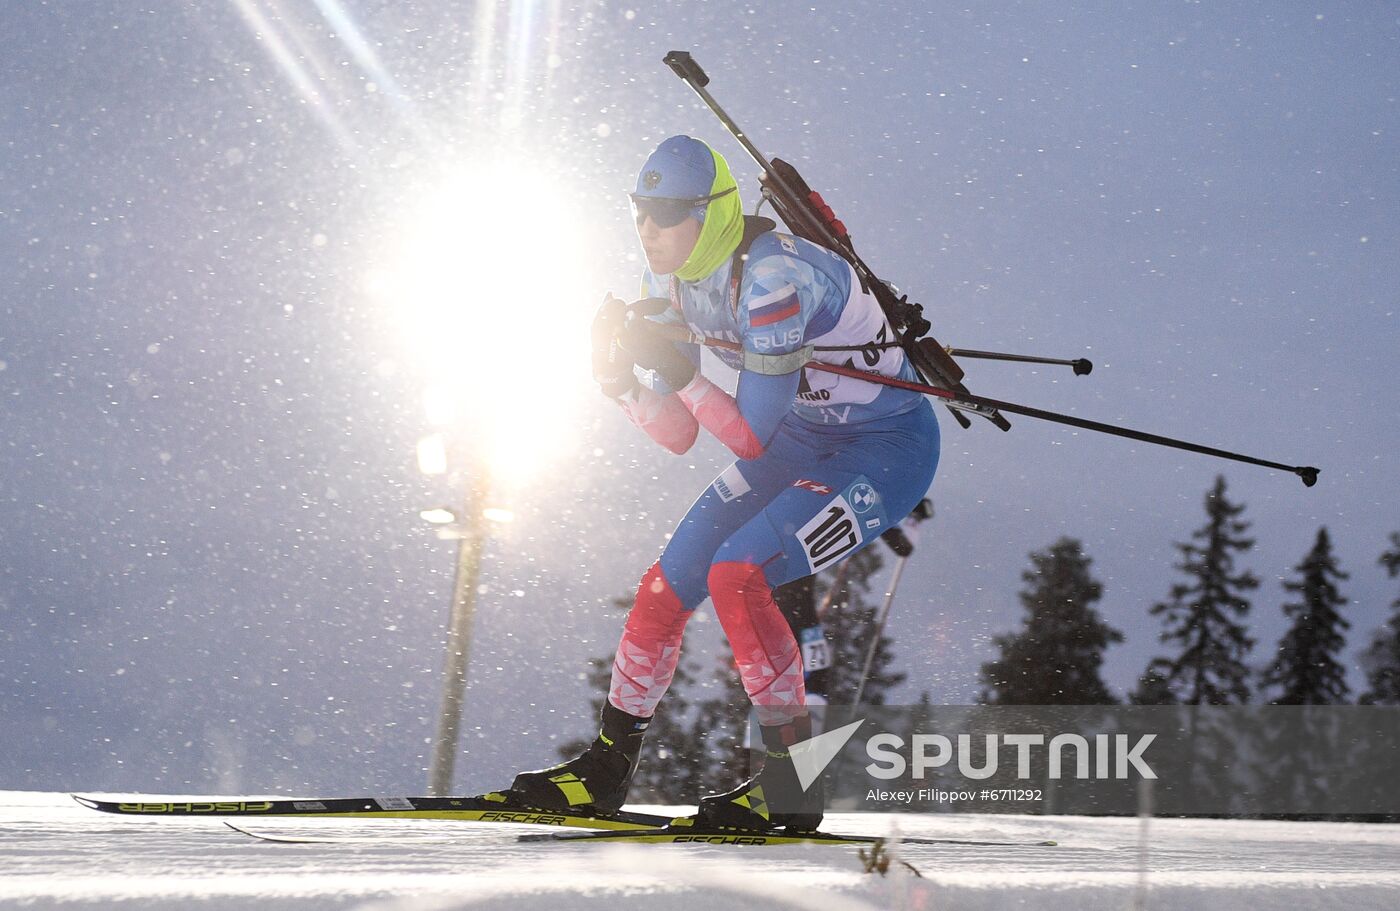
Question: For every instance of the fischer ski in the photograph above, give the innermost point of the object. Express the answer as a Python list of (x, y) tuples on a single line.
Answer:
[(491, 807)]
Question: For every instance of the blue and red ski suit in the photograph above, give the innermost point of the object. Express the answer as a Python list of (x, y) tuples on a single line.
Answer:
[(826, 463)]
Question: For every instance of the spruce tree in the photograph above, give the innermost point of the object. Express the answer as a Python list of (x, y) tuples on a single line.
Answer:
[(1381, 661), (1204, 616), (1306, 670), (1057, 656), (1382, 657), (1154, 686)]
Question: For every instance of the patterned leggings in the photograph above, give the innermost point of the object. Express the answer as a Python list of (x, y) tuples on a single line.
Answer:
[(817, 495)]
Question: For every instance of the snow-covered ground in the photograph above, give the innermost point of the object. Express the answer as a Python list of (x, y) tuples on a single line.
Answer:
[(54, 853)]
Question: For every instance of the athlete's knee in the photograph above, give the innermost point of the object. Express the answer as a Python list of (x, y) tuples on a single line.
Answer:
[(683, 566), (769, 660), (757, 546), (657, 611), (646, 656), (737, 587)]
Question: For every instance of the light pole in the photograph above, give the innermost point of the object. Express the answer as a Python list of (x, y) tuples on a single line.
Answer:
[(469, 527), (459, 643)]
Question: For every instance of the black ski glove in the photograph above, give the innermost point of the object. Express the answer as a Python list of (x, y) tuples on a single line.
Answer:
[(612, 366), (652, 352)]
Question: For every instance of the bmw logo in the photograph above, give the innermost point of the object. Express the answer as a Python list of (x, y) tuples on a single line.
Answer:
[(862, 497)]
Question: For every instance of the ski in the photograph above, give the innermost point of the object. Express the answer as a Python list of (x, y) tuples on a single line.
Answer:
[(308, 839), (492, 807), (683, 833), (668, 835), (323, 836)]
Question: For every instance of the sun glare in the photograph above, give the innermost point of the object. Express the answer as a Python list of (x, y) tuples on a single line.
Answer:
[(490, 285)]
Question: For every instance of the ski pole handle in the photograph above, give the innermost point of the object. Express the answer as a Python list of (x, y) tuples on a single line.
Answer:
[(685, 67), (896, 540)]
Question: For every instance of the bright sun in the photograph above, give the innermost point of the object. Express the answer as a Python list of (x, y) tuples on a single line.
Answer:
[(490, 284)]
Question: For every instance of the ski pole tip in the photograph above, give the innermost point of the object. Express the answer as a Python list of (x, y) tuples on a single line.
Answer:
[(1083, 367), (1308, 474)]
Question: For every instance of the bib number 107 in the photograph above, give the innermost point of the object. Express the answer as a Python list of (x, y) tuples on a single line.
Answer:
[(831, 535)]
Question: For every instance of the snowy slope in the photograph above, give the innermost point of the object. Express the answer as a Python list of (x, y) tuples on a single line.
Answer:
[(54, 853)]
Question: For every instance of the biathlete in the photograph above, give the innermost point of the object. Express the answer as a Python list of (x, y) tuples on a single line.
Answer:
[(825, 464)]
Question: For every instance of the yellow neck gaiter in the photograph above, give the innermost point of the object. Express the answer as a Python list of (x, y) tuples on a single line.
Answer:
[(722, 230)]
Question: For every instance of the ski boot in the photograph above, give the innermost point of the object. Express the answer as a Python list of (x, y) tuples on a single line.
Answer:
[(596, 780), (774, 798)]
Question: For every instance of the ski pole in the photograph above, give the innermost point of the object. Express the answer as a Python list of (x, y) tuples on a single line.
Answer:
[(928, 358), (680, 333), (903, 545), (1082, 365), (879, 631), (832, 589)]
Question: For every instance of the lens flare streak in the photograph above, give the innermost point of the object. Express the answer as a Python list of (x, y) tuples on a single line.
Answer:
[(286, 59)]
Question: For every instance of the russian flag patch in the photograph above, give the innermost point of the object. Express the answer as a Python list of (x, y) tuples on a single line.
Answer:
[(774, 308)]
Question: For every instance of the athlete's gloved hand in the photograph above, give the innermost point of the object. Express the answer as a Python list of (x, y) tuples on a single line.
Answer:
[(650, 350), (612, 365)]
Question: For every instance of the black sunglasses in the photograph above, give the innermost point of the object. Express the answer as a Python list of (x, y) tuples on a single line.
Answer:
[(667, 211)]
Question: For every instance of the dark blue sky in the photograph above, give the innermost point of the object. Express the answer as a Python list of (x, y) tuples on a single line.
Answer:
[(213, 575)]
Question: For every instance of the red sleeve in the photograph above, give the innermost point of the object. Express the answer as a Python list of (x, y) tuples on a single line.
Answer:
[(718, 413), (664, 418)]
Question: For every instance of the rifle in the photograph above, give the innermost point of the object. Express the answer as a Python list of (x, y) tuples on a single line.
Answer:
[(809, 217)]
